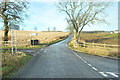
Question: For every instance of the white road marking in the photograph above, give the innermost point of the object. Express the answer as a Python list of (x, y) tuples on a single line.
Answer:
[(76, 54), (79, 57), (102, 73), (94, 68), (89, 65), (113, 74), (45, 51), (41, 49), (85, 61)]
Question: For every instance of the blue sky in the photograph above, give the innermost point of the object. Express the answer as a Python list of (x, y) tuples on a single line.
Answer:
[(45, 14)]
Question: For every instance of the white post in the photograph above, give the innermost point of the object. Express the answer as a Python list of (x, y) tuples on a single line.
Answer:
[(33, 41), (16, 40), (104, 45), (93, 44), (12, 43)]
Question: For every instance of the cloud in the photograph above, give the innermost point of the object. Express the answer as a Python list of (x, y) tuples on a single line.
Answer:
[(45, 15)]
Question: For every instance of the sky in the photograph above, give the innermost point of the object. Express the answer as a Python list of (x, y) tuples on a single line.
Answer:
[(45, 14)]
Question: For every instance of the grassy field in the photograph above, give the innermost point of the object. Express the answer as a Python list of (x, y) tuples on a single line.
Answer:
[(10, 64), (43, 37), (107, 38), (36, 46), (97, 50)]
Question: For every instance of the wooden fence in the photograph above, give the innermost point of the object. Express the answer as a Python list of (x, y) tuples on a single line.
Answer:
[(19, 43), (82, 44), (85, 44)]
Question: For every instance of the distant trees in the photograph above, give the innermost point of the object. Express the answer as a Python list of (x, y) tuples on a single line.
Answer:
[(54, 28), (48, 28), (12, 13), (35, 28), (80, 14)]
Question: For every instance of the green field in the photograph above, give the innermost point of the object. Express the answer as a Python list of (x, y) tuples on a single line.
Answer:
[(106, 38)]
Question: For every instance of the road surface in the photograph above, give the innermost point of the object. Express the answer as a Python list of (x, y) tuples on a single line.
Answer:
[(58, 61)]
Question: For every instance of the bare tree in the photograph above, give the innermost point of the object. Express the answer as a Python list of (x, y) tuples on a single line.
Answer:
[(81, 14), (70, 28), (12, 13)]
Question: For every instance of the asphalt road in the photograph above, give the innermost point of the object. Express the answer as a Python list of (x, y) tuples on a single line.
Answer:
[(58, 61)]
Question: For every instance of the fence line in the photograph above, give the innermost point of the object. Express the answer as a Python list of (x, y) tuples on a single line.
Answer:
[(85, 44), (19, 43)]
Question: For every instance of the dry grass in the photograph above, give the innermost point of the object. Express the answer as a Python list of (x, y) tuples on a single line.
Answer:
[(106, 38), (11, 63), (43, 37), (97, 50)]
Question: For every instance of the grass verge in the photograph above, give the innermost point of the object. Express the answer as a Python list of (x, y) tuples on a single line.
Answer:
[(105, 52), (11, 64), (24, 47)]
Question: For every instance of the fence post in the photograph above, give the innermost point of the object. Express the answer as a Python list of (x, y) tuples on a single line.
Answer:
[(12, 43), (93, 44), (16, 40), (104, 45), (84, 44)]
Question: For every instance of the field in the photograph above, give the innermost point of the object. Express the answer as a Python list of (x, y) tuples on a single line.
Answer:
[(106, 38), (43, 37), (98, 39)]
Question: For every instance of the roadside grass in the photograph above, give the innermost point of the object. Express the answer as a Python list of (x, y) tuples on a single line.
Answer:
[(24, 47), (99, 51), (11, 64)]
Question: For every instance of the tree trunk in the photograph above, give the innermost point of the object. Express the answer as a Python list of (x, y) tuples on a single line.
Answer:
[(6, 30), (76, 36)]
